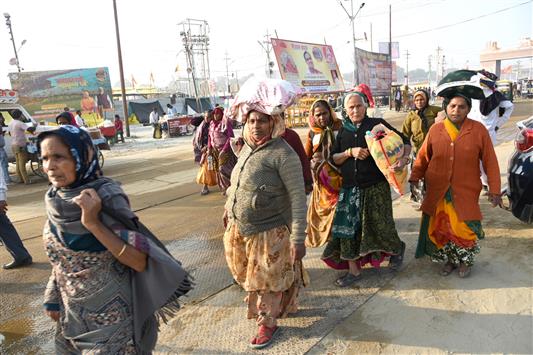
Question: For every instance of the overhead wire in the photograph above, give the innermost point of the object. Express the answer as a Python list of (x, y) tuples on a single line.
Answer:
[(461, 22)]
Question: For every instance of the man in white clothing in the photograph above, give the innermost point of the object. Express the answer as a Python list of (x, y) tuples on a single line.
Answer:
[(79, 120), (493, 111), (154, 121)]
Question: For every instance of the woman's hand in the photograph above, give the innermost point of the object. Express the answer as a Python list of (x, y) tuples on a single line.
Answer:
[(225, 218), (360, 153), (53, 314), (297, 251), (495, 200), (91, 205), (399, 164)]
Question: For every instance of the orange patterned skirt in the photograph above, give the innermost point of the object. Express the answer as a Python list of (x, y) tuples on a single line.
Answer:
[(262, 264)]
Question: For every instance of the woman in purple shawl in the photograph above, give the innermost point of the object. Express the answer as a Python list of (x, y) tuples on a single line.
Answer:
[(199, 142), (218, 146)]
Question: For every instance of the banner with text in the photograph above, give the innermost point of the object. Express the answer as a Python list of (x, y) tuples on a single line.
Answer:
[(312, 67), (44, 94), (374, 69)]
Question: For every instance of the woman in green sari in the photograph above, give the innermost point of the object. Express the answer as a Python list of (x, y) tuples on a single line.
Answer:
[(363, 227)]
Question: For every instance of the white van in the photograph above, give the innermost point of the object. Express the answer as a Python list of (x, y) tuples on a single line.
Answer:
[(8, 103)]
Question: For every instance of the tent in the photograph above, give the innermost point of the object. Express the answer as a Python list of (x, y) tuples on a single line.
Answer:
[(203, 104), (142, 109), (184, 106)]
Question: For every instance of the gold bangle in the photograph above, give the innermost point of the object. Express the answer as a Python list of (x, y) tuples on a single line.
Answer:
[(348, 151), (122, 250)]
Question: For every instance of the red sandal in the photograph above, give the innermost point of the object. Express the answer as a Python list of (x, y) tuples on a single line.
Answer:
[(264, 337)]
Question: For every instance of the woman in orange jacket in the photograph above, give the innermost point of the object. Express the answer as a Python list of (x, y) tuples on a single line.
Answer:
[(449, 164)]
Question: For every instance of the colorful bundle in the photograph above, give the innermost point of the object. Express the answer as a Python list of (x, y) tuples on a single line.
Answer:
[(386, 147)]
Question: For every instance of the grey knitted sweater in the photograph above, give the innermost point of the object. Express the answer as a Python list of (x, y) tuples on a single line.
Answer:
[(267, 190)]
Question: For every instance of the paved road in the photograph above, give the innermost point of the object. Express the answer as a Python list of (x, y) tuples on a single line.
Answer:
[(158, 180)]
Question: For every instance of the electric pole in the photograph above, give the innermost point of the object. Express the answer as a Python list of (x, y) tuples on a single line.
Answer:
[(226, 58), (351, 16), (371, 41), (407, 70), (437, 58), (429, 72), (121, 72), (267, 47), (8, 24), (390, 57), (443, 65)]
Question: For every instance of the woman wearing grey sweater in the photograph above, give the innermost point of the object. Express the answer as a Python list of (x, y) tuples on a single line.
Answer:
[(266, 220)]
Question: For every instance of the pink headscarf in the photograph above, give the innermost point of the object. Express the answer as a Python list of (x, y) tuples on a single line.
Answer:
[(364, 89)]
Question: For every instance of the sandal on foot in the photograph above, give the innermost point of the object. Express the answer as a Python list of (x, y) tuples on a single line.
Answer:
[(396, 261), (447, 269), (464, 270), (348, 280), (204, 192), (264, 337)]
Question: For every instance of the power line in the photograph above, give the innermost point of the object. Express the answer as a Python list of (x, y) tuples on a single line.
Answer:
[(463, 21)]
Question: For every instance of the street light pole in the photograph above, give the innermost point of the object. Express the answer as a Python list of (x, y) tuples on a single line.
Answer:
[(352, 17), (121, 72), (8, 24)]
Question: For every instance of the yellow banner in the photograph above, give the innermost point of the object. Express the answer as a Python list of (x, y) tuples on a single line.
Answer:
[(312, 67)]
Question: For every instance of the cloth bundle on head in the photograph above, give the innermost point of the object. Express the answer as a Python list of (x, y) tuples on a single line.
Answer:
[(82, 150), (269, 96)]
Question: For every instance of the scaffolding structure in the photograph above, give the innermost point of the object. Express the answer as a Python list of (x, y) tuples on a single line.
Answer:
[(195, 38)]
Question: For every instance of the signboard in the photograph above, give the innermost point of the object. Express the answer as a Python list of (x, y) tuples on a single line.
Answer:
[(44, 94), (374, 69), (312, 67), (8, 96), (395, 49)]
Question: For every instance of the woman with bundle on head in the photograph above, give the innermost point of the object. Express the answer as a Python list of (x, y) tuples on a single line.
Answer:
[(265, 215), (111, 278), (323, 128), (448, 162), (218, 146), (363, 226)]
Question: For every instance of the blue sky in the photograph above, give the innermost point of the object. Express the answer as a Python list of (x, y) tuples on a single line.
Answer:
[(64, 34)]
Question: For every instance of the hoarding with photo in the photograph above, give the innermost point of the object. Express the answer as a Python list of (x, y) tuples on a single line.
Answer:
[(312, 67), (374, 70), (44, 94)]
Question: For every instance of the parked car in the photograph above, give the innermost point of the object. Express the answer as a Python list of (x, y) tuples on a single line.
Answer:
[(520, 169)]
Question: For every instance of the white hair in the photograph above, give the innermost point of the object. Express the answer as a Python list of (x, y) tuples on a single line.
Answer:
[(357, 94)]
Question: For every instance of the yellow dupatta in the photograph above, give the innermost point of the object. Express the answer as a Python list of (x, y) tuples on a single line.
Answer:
[(445, 225)]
